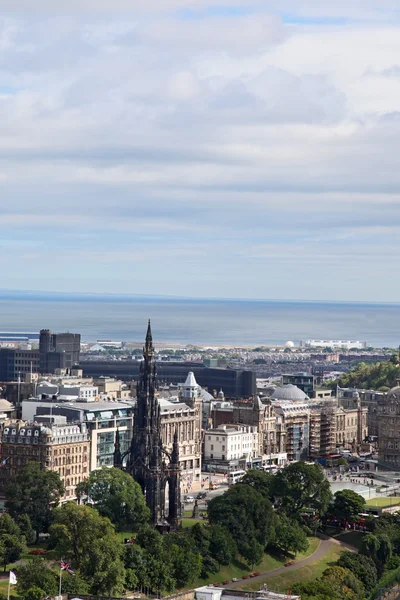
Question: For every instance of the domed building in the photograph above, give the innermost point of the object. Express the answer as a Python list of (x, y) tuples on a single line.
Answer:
[(289, 392), (388, 417)]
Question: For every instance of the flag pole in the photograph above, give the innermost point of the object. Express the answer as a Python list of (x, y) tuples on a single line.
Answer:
[(59, 586), (9, 584)]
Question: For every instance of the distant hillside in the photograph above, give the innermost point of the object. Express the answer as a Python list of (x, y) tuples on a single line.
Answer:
[(379, 376)]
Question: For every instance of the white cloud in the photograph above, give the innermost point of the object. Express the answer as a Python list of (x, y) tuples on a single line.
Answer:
[(239, 136)]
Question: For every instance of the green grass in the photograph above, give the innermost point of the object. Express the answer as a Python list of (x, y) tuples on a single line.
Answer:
[(383, 502), (121, 535), (239, 568), (354, 538), (190, 522), (283, 581)]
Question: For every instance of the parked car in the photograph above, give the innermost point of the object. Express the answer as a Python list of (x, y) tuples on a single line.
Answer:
[(201, 495), (189, 499)]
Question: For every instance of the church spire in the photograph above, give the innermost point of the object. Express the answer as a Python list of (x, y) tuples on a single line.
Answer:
[(149, 340)]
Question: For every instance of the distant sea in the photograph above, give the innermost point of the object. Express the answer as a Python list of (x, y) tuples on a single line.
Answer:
[(208, 322)]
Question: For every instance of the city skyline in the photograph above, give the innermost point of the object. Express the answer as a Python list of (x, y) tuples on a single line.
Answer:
[(194, 149)]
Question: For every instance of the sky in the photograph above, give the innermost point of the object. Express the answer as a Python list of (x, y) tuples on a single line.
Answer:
[(246, 149)]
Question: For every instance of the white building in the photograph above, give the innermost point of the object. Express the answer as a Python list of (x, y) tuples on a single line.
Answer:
[(335, 344), (227, 445)]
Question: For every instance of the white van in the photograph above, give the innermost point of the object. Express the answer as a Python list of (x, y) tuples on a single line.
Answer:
[(346, 453)]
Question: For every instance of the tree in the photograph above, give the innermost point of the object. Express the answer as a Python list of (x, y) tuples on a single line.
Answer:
[(259, 480), (12, 542), (379, 547), (148, 566), (361, 566), (348, 504), (299, 486), (252, 552), (289, 536), (36, 573), (116, 495), (222, 545), (344, 580), (246, 514), (34, 593), (35, 493), (86, 538)]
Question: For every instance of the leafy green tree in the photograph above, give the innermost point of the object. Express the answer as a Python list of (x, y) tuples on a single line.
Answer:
[(116, 495), (299, 486), (363, 567), (253, 553), (379, 547), (246, 514), (259, 480), (74, 584), (222, 545), (147, 564), (36, 573), (86, 538), (34, 593), (348, 503), (371, 376), (344, 580), (35, 493), (289, 536), (185, 563), (26, 529), (12, 542)]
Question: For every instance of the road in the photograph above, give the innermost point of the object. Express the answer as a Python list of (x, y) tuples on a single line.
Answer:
[(324, 546)]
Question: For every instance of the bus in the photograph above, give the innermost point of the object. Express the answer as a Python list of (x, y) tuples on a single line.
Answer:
[(235, 476), (269, 469)]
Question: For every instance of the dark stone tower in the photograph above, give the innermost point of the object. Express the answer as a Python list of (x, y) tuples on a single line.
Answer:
[(146, 461)]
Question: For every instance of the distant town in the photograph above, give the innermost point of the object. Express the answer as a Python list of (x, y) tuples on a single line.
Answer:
[(186, 424)]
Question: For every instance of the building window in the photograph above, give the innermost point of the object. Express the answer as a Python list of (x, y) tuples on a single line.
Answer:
[(212, 446)]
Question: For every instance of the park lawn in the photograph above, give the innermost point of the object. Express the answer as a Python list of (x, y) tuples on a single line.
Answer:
[(190, 522), (283, 581), (383, 502), (354, 538), (121, 535), (238, 568)]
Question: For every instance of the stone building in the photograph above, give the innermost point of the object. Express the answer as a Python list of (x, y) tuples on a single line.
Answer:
[(61, 447), (231, 446), (388, 417), (351, 422)]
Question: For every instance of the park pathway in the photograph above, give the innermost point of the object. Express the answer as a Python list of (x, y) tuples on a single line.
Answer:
[(324, 546)]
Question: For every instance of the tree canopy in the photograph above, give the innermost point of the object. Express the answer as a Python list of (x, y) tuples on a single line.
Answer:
[(300, 486), (88, 540), (371, 376), (117, 496), (249, 518), (348, 503), (34, 492)]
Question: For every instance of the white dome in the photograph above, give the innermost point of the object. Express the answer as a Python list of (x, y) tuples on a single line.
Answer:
[(289, 344), (289, 392)]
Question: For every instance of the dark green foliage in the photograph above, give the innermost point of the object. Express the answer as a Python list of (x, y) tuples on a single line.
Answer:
[(34, 593), (289, 536), (363, 567), (259, 480), (86, 538), (379, 548), (36, 573), (300, 486), (34, 492), (222, 545), (12, 541), (117, 496), (336, 583), (371, 376), (247, 515), (348, 503)]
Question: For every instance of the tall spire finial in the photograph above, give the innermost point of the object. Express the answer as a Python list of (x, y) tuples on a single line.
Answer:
[(148, 348)]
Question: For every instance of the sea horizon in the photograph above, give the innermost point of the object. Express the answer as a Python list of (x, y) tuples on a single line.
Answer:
[(200, 321)]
